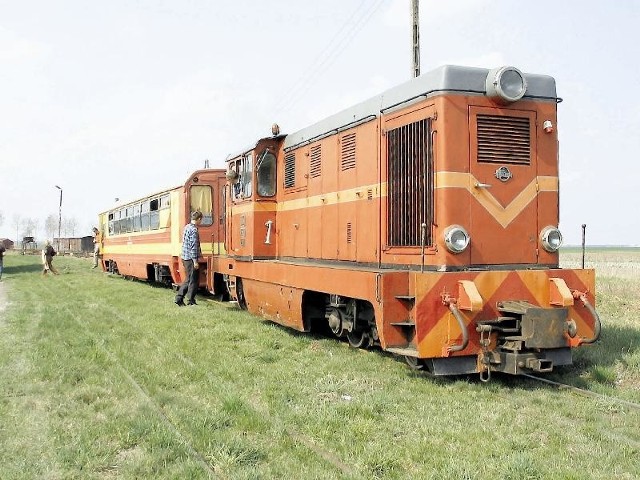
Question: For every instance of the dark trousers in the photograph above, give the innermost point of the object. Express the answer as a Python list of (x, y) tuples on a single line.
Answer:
[(189, 287)]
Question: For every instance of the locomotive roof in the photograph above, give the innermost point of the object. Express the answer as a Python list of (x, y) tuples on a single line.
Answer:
[(448, 78)]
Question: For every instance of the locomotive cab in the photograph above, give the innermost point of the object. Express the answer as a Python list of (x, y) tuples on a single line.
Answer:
[(251, 204)]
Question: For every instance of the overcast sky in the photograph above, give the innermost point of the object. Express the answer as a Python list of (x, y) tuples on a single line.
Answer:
[(126, 97)]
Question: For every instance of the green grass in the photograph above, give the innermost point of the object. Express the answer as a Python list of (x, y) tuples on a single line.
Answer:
[(101, 377)]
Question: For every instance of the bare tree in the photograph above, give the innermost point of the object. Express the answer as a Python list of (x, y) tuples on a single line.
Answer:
[(51, 226), (1, 218), (29, 227), (69, 225)]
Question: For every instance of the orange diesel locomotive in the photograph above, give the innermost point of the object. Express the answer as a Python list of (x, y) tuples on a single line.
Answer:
[(424, 220)]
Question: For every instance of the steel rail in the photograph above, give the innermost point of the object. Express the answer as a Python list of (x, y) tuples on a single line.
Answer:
[(583, 392)]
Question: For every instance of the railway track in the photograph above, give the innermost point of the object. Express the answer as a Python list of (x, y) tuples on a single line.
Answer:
[(585, 393)]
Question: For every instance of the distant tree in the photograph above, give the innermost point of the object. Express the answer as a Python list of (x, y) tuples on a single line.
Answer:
[(1, 218), (29, 227), (51, 226), (70, 225)]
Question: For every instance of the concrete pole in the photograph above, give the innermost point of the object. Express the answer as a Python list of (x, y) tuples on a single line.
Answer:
[(415, 37), (59, 216)]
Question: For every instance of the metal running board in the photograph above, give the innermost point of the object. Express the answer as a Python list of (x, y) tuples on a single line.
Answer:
[(403, 324), (409, 352)]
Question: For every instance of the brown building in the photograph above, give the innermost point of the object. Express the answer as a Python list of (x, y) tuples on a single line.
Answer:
[(8, 244), (80, 245)]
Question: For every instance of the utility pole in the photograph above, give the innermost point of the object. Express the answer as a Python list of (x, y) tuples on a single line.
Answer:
[(415, 37), (59, 216)]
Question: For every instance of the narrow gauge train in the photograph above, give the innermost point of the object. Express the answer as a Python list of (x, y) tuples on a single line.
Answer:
[(424, 220)]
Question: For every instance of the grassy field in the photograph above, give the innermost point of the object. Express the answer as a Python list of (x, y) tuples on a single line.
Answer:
[(105, 378)]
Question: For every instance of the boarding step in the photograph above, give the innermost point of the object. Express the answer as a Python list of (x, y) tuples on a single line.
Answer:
[(407, 351), (406, 298), (403, 324)]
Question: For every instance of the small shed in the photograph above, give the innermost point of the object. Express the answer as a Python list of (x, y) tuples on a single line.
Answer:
[(75, 246)]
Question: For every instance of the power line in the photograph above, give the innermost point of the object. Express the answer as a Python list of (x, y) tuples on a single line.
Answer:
[(330, 53)]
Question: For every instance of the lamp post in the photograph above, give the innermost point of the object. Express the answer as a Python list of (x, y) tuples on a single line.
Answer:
[(59, 216)]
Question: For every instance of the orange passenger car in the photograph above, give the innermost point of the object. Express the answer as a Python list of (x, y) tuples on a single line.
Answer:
[(424, 220), (143, 238)]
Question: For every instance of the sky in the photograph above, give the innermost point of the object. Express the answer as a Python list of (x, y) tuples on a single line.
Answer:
[(123, 98)]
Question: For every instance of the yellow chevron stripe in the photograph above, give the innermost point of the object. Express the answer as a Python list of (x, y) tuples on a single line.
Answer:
[(503, 215), (159, 249), (137, 234)]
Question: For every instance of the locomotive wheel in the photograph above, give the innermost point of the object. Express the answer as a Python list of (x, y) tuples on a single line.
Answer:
[(414, 363), (358, 339)]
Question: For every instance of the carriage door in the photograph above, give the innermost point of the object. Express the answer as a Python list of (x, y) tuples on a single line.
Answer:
[(503, 186), (220, 216)]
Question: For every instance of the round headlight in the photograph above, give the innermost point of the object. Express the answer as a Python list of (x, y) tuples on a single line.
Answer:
[(506, 83), (456, 238), (551, 239)]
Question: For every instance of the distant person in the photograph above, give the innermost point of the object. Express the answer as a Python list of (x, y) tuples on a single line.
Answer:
[(2, 250), (190, 254), (97, 243), (47, 259)]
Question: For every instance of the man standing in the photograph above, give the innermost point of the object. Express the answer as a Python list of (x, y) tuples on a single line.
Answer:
[(190, 254), (97, 241)]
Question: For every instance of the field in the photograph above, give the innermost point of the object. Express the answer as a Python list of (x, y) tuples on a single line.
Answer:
[(104, 378)]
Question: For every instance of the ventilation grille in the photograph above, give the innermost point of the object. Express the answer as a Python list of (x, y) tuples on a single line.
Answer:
[(504, 139), (410, 184), (316, 161), (289, 170), (348, 157), (349, 232)]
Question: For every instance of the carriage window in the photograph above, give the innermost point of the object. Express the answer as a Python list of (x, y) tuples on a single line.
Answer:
[(120, 226), (144, 216), (154, 216), (267, 174), (136, 218), (201, 200), (129, 219)]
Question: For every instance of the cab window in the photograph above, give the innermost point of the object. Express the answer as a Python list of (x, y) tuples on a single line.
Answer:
[(266, 170), (247, 176), (243, 186)]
